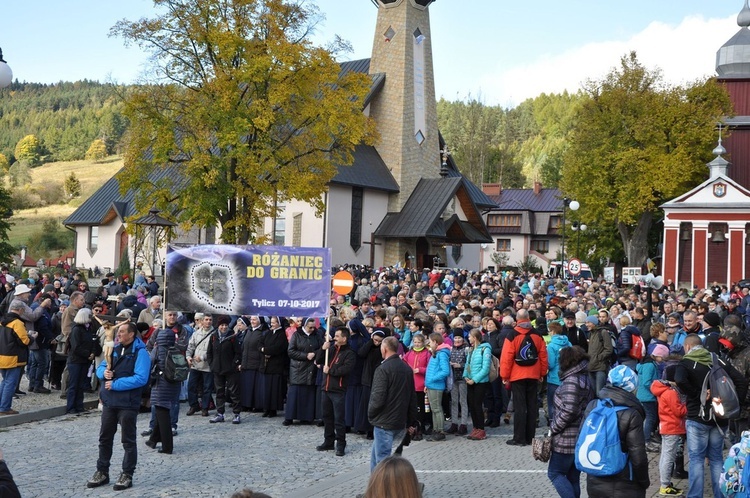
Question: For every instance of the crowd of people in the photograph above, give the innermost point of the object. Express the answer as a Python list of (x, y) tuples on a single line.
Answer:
[(406, 355)]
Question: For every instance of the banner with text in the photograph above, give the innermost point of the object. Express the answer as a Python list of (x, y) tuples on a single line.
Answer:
[(249, 280)]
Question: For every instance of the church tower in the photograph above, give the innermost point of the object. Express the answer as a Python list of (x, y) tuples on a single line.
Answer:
[(405, 110)]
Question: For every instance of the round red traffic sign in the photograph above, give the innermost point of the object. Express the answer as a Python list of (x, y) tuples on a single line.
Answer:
[(574, 267), (343, 282)]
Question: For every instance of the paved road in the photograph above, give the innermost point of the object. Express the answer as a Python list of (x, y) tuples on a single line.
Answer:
[(55, 457)]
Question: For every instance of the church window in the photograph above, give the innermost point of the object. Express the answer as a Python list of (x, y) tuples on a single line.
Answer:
[(93, 239), (356, 224)]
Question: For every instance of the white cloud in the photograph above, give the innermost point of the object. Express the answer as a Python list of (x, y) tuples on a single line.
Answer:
[(684, 53)]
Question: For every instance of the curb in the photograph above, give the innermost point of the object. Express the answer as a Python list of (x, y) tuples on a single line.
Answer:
[(37, 415)]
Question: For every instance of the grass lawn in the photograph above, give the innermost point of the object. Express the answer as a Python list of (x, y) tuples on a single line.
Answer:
[(91, 175)]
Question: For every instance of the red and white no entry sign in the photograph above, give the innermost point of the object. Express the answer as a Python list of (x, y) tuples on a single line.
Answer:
[(343, 282)]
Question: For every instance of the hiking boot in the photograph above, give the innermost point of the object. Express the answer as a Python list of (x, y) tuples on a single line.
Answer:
[(452, 429), (669, 491), (480, 435), (42, 390), (340, 450), (438, 436), (100, 479), (218, 418), (236, 419), (125, 481), (473, 433), (324, 447), (462, 430), (204, 413), (192, 411)]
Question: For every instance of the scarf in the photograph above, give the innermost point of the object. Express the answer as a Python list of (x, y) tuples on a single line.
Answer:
[(699, 354)]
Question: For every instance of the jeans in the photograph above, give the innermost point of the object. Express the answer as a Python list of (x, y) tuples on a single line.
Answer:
[(565, 477), (197, 379), (669, 445), (382, 444), (458, 397), (704, 441), (11, 376), (598, 380), (111, 418), (526, 409), (652, 417), (333, 418), (77, 382), (436, 405), (38, 366)]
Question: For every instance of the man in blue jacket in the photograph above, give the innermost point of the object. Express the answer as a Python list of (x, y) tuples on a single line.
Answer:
[(121, 398)]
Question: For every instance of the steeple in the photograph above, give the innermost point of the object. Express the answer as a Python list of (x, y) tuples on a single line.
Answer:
[(719, 166), (733, 58), (405, 110)]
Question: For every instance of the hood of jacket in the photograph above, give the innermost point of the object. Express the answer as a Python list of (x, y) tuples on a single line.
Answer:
[(621, 397), (9, 317), (523, 328), (701, 355), (560, 340), (129, 301), (575, 369), (443, 347), (632, 330)]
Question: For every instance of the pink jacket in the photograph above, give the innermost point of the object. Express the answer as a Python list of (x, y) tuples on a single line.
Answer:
[(418, 360)]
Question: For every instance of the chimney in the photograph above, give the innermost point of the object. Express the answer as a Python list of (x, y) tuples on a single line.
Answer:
[(492, 188), (537, 187)]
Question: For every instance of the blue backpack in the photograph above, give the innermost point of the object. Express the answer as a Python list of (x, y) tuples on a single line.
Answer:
[(598, 450)]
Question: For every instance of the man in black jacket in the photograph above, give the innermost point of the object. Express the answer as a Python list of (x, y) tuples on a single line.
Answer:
[(393, 401), (336, 367), (704, 432)]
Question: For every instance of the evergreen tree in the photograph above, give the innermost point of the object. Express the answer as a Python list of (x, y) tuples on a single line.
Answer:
[(72, 186)]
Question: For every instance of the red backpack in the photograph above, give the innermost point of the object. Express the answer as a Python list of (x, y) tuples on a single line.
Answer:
[(638, 348)]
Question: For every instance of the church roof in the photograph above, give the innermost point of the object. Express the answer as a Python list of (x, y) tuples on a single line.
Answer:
[(422, 215), (733, 58), (368, 171)]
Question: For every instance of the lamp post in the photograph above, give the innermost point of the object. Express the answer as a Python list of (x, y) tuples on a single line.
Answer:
[(578, 227), (6, 75), (573, 205)]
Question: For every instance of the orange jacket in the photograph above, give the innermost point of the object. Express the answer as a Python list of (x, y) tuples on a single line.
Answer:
[(509, 369), (672, 411)]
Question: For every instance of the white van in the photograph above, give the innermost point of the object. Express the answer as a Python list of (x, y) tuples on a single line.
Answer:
[(556, 271)]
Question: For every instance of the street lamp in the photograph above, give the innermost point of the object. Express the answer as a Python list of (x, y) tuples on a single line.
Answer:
[(6, 75), (573, 205), (578, 227)]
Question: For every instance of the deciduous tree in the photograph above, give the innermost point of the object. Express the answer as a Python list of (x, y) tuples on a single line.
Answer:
[(97, 151), (245, 107), (29, 149), (637, 144)]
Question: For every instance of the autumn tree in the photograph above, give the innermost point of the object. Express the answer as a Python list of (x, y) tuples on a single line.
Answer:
[(4, 164), (638, 143), (19, 174), (72, 186), (243, 106), (97, 151), (29, 149)]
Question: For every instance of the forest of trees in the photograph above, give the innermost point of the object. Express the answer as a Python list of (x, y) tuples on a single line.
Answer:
[(66, 118)]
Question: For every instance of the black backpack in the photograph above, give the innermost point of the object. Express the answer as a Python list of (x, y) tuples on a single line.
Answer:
[(527, 353), (176, 368)]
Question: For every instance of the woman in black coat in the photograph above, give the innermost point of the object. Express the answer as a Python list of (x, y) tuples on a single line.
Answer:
[(273, 346), (252, 393), (164, 394), (84, 347), (300, 403), (621, 385), (224, 355)]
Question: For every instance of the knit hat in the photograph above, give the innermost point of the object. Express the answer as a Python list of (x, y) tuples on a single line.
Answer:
[(622, 376), (660, 350), (223, 320), (712, 319)]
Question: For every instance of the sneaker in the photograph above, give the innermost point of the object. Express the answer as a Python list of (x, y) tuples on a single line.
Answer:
[(287, 422), (473, 433), (174, 432), (100, 479), (236, 419), (9, 412), (20, 393), (218, 418), (42, 390), (462, 430), (125, 481), (669, 491), (204, 413), (437, 436), (452, 429), (147, 432), (324, 447), (480, 435)]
